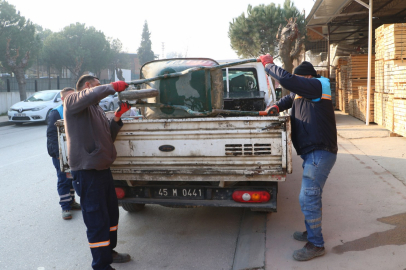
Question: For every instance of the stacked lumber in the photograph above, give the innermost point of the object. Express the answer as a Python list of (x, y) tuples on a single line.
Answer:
[(390, 77), (389, 111), (357, 86), (358, 107), (395, 41), (379, 75), (342, 79), (399, 79), (380, 41), (378, 108), (399, 106)]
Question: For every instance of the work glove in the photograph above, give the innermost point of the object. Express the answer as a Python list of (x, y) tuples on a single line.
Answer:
[(119, 86), (265, 59), (122, 108), (273, 110)]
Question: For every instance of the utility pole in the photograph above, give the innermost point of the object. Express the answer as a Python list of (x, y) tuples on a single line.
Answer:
[(163, 50)]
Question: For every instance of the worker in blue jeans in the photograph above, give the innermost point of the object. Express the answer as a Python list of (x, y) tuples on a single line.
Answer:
[(314, 136), (64, 186)]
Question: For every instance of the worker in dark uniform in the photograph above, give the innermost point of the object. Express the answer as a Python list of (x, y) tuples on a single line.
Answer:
[(90, 143), (314, 136), (64, 186)]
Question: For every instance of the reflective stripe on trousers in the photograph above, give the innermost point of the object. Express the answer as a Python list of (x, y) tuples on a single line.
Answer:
[(100, 213), (64, 186)]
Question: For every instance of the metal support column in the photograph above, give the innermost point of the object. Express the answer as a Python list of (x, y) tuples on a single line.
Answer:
[(369, 61), (328, 51)]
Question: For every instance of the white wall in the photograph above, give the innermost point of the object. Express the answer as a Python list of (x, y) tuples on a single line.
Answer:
[(9, 98), (126, 75)]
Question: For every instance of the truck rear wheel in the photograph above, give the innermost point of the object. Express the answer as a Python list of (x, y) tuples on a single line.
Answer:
[(133, 207)]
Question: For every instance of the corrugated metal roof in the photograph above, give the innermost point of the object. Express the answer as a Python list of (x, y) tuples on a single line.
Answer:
[(348, 19)]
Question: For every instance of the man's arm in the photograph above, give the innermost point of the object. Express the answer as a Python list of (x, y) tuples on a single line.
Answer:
[(285, 102), (115, 127), (52, 134), (116, 124), (79, 101), (307, 88)]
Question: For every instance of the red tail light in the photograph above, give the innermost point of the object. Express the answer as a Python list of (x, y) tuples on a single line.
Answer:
[(120, 192), (251, 196)]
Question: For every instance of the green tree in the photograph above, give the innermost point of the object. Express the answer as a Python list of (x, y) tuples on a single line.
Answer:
[(118, 59), (256, 33), (78, 48), (19, 44), (145, 53)]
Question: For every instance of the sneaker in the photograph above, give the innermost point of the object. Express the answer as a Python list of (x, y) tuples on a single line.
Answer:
[(300, 236), (120, 257), (66, 214), (75, 206), (308, 252)]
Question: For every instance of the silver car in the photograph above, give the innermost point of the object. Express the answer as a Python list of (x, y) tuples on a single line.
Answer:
[(109, 103), (36, 108)]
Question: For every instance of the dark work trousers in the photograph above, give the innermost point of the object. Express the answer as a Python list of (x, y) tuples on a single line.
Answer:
[(65, 188), (100, 213)]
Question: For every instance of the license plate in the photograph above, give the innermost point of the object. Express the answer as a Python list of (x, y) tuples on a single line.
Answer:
[(19, 114), (179, 193)]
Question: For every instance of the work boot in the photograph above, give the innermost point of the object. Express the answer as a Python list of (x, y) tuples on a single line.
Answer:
[(66, 214), (300, 236), (120, 257), (75, 206), (308, 252)]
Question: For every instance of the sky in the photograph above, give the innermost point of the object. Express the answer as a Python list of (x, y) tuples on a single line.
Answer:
[(190, 27)]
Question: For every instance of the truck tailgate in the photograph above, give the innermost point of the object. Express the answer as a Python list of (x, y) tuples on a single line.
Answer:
[(204, 149)]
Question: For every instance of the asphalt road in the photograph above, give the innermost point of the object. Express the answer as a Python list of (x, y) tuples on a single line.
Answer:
[(34, 236)]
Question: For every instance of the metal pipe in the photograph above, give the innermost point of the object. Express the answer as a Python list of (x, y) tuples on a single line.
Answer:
[(205, 113), (194, 69)]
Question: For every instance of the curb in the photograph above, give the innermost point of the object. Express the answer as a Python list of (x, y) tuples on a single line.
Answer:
[(2, 124)]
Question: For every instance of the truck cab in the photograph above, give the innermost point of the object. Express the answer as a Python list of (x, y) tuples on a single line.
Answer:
[(246, 87)]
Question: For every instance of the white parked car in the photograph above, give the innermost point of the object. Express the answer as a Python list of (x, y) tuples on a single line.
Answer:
[(109, 103), (36, 108)]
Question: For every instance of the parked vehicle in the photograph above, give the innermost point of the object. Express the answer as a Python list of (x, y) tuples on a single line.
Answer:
[(35, 108), (109, 103), (190, 151)]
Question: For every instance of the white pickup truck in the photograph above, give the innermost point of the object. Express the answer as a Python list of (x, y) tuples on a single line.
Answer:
[(231, 161)]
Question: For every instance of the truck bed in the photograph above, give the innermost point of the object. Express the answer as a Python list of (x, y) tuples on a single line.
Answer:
[(204, 149)]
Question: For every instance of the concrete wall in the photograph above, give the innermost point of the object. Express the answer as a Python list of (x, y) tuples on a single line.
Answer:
[(7, 99)]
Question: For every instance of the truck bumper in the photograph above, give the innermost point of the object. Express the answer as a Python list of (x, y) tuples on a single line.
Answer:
[(211, 196)]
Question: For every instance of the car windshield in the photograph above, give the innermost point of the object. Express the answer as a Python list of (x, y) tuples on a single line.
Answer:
[(41, 96)]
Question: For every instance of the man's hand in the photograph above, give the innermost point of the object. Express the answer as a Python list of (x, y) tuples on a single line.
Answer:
[(273, 110), (266, 59), (122, 108), (119, 86)]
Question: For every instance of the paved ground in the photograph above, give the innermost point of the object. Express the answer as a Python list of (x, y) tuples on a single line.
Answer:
[(364, 214)]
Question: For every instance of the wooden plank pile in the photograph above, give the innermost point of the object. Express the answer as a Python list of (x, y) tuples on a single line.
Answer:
[(341, 86), (390, 79), (360, 104), (357, 86)]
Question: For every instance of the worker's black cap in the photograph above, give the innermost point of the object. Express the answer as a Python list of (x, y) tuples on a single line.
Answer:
[(305, 68)]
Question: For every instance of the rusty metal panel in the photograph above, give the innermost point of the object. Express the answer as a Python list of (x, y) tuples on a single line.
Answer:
[(207, 149)]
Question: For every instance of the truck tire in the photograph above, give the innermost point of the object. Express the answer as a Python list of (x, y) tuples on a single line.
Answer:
[(133, 207)]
